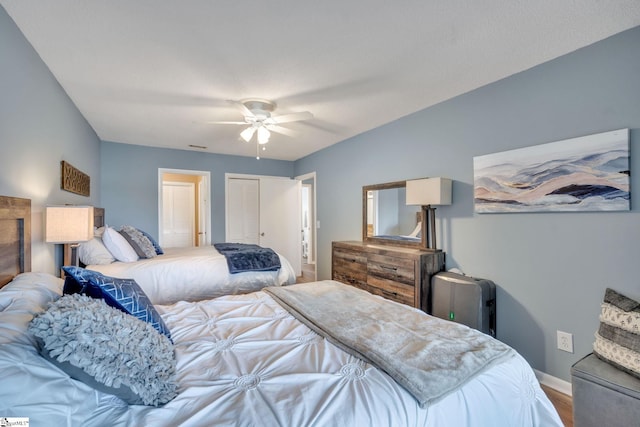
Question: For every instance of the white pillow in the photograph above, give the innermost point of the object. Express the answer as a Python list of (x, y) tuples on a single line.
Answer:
[(118, 246), (94, 252), (98, 232)]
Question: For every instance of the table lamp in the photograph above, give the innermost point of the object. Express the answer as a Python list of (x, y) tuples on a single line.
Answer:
[(429, 192)]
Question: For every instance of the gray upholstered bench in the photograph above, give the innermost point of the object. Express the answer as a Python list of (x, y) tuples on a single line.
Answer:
[(604, 395)]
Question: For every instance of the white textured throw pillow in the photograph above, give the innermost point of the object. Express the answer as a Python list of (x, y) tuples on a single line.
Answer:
[(138, 241), (107, 349), (118, 246)]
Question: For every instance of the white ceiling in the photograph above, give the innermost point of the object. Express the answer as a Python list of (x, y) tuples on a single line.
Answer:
[(153, 72)]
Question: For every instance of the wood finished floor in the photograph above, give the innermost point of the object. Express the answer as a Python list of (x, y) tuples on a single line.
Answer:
[(560, 401)]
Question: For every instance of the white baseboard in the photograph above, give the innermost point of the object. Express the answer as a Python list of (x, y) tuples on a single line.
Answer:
[(553, 382)]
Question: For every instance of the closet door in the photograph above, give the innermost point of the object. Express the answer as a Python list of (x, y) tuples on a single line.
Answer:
[(243, 210), (266, 211)]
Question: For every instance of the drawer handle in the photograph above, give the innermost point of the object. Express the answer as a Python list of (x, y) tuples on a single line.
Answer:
[(386, 267)]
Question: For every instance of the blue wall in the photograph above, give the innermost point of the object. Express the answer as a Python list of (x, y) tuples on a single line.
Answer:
[(130, 181), (551, 268), (39, 127)]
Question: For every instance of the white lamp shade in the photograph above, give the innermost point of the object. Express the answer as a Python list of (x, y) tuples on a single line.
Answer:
[(68, 224), (247, 133), (428, 191), (263, 135)]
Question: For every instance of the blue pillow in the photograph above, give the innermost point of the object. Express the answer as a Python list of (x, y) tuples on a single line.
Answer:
[(155, 244), (123, 294)]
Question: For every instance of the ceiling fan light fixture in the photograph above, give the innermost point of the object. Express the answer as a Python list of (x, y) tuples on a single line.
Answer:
[(263, 135), (247, 133), (259, 121)]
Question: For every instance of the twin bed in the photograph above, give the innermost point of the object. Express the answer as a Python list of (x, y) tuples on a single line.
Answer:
[(181, 274), (195, 274), (251, 359)]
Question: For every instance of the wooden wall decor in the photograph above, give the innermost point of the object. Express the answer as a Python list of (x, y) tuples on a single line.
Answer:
[(74, 180)]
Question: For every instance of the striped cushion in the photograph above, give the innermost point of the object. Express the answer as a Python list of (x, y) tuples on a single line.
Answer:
[(138, 241), (618, 337), (123, 294)]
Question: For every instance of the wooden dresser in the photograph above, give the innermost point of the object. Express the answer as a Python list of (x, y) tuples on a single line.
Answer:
[(398, 273)]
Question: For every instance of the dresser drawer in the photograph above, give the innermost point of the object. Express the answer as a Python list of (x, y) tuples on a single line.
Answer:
[(395, 291), (349, 267), (396, 269)]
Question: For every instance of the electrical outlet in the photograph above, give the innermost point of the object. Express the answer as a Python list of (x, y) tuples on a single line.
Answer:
[(565, 341)]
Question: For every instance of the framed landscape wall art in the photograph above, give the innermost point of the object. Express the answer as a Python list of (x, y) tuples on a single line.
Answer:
[(589, 173)]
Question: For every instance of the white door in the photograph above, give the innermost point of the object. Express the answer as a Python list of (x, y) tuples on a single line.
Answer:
[(243, 210), (265, 211), (306, 223), (203, 208), (280, 223), (200, 204), (178, 214)]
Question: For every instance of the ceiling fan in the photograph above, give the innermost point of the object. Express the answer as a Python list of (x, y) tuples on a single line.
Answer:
[(257, 115)]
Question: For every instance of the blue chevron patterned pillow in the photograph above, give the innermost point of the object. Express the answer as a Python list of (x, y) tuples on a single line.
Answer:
[(123, 294)]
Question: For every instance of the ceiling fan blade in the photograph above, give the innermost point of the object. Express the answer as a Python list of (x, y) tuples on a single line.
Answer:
[(226, 123), (245, 111), (282, 130), (293, 117)]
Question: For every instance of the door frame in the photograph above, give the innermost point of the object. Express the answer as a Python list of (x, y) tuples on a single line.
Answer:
[(311, 176), (204, 197)]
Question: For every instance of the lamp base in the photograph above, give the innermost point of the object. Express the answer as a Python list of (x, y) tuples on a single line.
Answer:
[(70, 254), (429, 226)]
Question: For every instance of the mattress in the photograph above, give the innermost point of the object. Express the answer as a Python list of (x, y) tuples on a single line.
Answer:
[(242, 360), (193, 274)]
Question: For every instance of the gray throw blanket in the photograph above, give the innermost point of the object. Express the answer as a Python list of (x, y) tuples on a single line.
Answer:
[(243, 257), (429, 357)]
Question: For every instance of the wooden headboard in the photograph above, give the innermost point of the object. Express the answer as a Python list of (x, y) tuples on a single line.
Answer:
[(15, 237), (98, 217)]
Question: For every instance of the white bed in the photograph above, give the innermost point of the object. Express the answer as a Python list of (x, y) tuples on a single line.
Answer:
[(240, 360), (171, 274), (193, 274), (243, 360)]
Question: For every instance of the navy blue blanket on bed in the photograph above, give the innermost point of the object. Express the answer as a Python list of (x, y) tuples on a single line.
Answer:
[(246, 257)]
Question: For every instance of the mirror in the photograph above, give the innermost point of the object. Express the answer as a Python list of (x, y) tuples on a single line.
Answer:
[(387, 219)]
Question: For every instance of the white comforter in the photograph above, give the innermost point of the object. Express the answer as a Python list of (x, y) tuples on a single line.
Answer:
[(193, 274), (244, 361)]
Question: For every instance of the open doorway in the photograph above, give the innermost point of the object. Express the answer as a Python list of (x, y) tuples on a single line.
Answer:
[(184, 217), (308, 232)]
